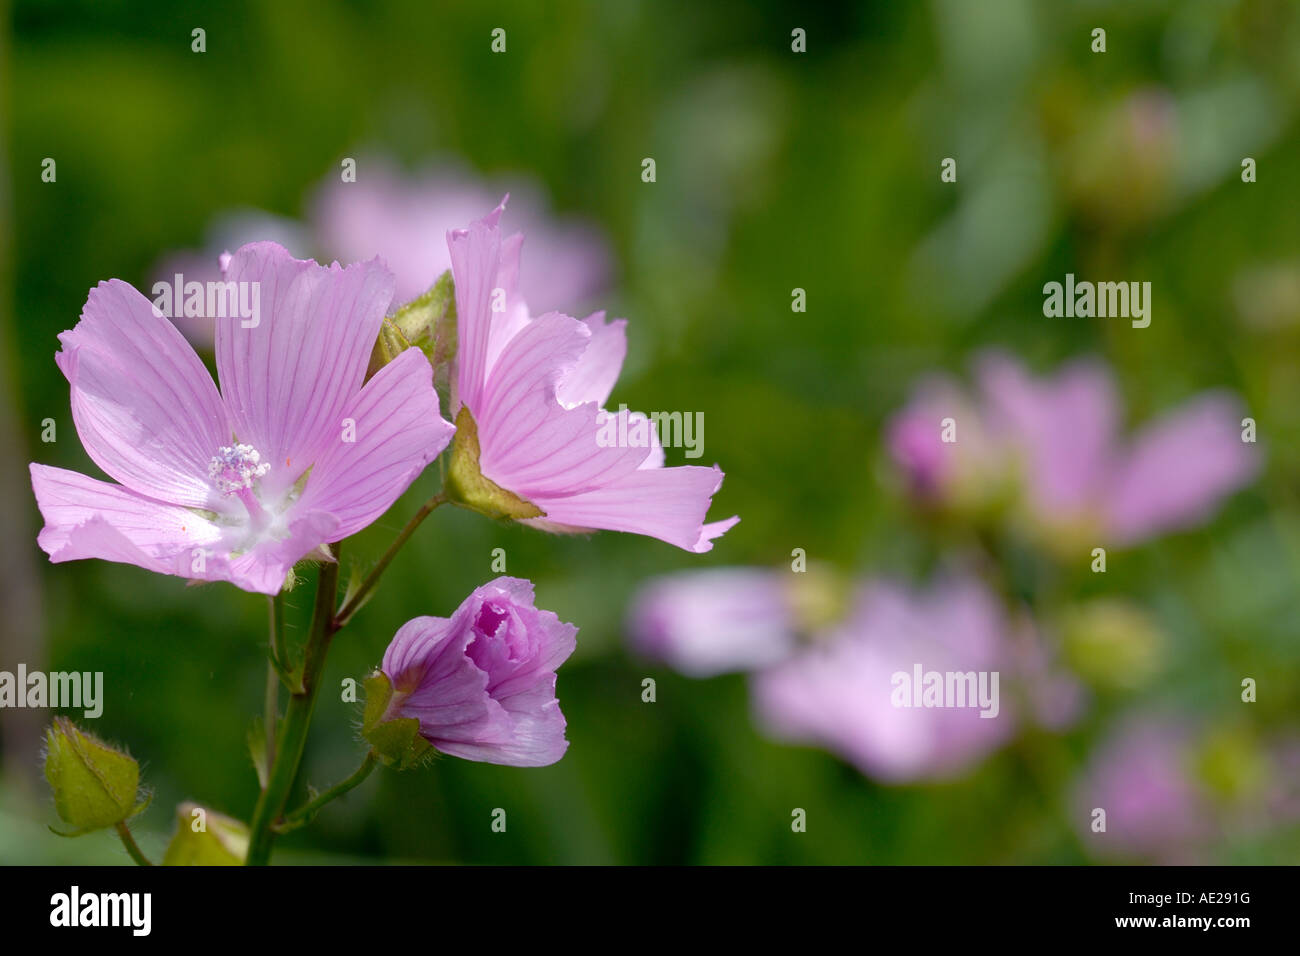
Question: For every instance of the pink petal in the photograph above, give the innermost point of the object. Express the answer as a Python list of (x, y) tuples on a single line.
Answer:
[(1179, 467), (597, 369), (1064, 427), (288, 380), (481, 693), (838, 692), (536, 737), (664, 503), (264, 568), (531, 444), (504, 326), (714, 529), (145, 407), (448, 691), (87, 518), (475, 260), (714, 621), (398, 431), (914, 437)]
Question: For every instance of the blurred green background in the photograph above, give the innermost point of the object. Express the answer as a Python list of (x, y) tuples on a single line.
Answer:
[(775, 170)]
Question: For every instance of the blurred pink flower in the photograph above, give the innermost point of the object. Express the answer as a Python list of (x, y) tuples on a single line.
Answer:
[(238, 485), (535, 387), (228, 231), (840, 692), (965, 473), (405, 221), (1141, 777), (708, 622), (482, 682), (1060, 436)]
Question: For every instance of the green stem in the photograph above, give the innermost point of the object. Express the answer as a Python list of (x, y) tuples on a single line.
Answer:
[(292, 738), (362, 593), (279, 653), (307, 812), (271, 710), (275, 608), (132, 848)]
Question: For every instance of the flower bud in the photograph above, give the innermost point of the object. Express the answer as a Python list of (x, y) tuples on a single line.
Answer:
[(427, 323), (1112, 643), (481, 684), (206, 838), (1232, 764), (95, 785)]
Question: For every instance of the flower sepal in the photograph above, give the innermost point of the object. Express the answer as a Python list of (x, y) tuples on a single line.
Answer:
[(396, 741), (466, 485)]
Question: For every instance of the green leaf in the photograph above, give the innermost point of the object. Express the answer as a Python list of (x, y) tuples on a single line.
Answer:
[(257, 750), (355, 580)]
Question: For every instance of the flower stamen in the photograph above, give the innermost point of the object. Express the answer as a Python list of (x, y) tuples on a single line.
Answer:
[(235, 467)]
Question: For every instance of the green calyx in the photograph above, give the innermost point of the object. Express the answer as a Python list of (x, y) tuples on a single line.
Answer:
[(396, 741), (467, 486)]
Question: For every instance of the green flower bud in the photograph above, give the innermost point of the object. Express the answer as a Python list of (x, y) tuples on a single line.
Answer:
[(427, 323), (1112, 643), (95, 785), (1232, 765), (206, 838), (819, 597), (397, 741)]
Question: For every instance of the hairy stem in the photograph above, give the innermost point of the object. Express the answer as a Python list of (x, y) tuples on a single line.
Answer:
[(271, 710), (292, 737), (132, 847), (307, 812), (285, 748), (362, 593), (275, 671)]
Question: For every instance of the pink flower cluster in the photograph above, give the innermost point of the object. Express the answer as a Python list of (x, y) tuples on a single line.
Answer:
[(837, 686), (1053, 448), (292, 448), (1047, 452)]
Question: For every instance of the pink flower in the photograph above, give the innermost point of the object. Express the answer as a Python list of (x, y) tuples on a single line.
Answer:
[(966, 473), (532, 389), (228, 231), (1142, 776), (1061, 437), (482, 682), (845, 693), (708, 622), (405, 220), (240, 484)]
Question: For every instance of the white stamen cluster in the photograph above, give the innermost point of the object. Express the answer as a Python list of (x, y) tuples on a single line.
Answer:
[(235, 467)]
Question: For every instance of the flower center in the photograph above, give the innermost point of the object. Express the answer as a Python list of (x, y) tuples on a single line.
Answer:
[(234, 468)]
